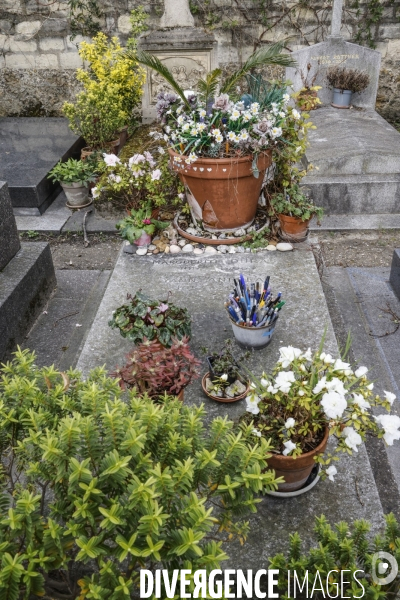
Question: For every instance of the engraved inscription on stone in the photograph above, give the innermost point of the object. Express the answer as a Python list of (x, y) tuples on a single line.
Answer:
[(186, 70), (336, 59)]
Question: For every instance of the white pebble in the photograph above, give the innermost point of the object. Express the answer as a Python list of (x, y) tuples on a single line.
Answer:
[(141, 251), (187, 248), (284, 247), (271, 248), (198, 251), (232, 250), (210, 250), (240, 232), (152, 247), (222, 248), (181, 243), (191, 231), (174, 249)]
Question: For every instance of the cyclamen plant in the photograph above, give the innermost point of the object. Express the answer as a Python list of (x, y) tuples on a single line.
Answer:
[(307, 394), (219, 128), (139, 172)]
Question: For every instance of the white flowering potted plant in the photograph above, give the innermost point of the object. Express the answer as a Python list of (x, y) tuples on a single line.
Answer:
[(308, 399), (221, 140)]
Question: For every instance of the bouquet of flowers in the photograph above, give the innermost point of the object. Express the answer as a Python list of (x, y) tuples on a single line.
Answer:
[(308, 394), (219, 128)]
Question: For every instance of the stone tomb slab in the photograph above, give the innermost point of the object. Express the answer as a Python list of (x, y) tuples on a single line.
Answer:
[(395, 273), (9, 238), (29, 149), (356, 159), (201, 285)]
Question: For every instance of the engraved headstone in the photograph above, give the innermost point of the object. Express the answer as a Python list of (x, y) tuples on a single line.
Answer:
[(187, 51), (9, 238), (314, 61)]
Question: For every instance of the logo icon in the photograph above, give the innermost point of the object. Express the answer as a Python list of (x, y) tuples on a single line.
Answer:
[(384, 568)]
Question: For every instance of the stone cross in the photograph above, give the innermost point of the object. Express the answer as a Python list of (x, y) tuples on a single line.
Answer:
[(336, 18), (177, 14)]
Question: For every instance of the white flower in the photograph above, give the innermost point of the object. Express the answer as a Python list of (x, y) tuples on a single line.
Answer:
[(289, 446), (331, 471), (247, 117), (282, 114), (235, 114), (295, 114), (231, 136), (224, 377), (136, 159), (335, 385), (202, 112), (256, 432), (326, 358), (353, 439), (361, 402), (156, 175), (161, 150), (244, 135), (361, 371), (149, 158), (342, 367), (215, 132), (180, 119), (276, 132), (95, 192), (287, 355), (264, 382), (194, 131), (286, 97), (290, 423), (284, 380), (201, 127), (390, 424), (254, 108), (252, 404), (301, 393), (189, 93), (185, 127), (111, 159), (307, 355), (321, 385), (370, 387), (334, 404), (219, 139), (389, 397)]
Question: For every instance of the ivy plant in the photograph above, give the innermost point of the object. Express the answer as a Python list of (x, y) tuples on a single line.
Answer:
[(293, 202), (95, 486)]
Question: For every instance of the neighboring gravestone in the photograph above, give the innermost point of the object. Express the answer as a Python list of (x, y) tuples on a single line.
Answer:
[(314, 61), (395, 273), (187, 51), (9, 238), (27, 279)]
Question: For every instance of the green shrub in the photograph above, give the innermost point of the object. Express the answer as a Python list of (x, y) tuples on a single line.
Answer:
[(339, 549), (96, 485)]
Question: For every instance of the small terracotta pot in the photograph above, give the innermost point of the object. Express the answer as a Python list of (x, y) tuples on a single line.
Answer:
[(217, 398), (296, 470), (223, 191), (85, 152), (123, 137), (293, 225), (113, 146)]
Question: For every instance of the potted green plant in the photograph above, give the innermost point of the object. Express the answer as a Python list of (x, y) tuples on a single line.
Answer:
[(139, 226), (159, 371), (294, 210), (74, 177), (307, 97), (345, 83), (220, 144), (143, 318), (309, 398), (224, 382)]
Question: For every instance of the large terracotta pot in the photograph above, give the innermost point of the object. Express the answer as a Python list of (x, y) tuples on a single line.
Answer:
[(222, 192), (296, 470), (293, 225)]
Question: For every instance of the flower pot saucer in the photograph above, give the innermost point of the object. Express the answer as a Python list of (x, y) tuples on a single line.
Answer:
[(309, 484), (223, 400), (73, 207)]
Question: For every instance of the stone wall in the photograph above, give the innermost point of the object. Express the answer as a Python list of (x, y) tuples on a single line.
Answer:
[(38, 55)]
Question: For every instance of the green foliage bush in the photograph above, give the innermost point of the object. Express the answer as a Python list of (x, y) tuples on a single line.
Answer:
[(95, 485), (340, 548)]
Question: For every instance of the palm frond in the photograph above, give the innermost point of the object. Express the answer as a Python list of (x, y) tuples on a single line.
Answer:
[(271, 55), (207, 87), (154, 63)]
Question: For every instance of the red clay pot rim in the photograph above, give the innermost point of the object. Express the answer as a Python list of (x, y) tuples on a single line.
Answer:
[(248, 157), (222, 400), (294, 219), (317, 450)]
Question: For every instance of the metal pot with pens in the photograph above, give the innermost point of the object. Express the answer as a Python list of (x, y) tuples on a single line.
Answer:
[(253, 312)]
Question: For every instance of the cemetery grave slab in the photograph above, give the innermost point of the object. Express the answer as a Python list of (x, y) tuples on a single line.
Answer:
[(201, 285), (29, 149), (395, 273), (356, 159)]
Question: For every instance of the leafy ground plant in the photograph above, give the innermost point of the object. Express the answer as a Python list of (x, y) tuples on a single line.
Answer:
[(95, 486), (340, 549), (143, 318)]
